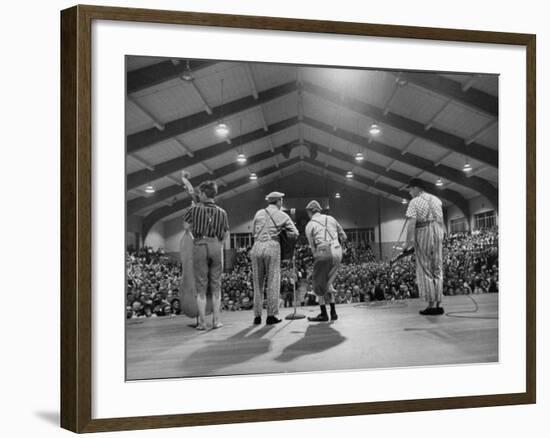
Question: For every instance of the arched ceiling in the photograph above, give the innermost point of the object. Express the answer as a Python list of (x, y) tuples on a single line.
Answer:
[(298, 118)]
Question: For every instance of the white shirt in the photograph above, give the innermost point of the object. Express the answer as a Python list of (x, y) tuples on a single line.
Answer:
[(317, 233)]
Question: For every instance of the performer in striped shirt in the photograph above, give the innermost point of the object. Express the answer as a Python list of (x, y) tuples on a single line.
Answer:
[(209, 226), (425, 232)]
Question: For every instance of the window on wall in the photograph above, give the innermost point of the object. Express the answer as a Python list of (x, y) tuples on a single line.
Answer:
[(241, 240), (487, 219), (458, 225), (360, 236)]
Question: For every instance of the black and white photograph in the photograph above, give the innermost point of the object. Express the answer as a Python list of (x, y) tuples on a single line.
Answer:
[(285, 218)]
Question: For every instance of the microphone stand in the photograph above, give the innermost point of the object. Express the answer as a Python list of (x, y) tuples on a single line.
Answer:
[(295, 314)]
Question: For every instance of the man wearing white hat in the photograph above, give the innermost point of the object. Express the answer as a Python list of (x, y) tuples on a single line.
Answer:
[(324, 235), (266, 255)]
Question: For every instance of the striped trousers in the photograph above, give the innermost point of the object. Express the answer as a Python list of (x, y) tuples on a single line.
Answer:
[(266, 265), (429, 261)]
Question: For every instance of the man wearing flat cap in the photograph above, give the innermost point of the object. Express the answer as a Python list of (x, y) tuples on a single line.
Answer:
[(266, 255), (425, 233), (324, 235)]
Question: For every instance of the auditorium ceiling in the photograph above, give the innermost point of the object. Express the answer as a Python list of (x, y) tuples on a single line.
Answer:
[(382, 126)]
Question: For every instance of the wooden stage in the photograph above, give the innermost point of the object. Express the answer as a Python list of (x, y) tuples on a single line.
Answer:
[(366, 335)]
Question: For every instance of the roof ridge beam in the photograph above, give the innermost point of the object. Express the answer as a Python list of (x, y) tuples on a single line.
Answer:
[(480, 185), (447, 140)]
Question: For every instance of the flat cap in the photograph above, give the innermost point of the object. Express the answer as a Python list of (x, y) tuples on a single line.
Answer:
[(416, 182), (314, 205), (274, 195)]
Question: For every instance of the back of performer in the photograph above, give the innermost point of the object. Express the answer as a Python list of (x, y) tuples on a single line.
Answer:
[(266, 255), (425, 233), (209, 225), (324, 235)]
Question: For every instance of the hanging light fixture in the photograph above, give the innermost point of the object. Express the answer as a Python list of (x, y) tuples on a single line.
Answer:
[(349, 175), (253, 177), (241, 158), (149, 189), (187, 75), (467, 167), (222, 130), (337, 196), (374, 129), (359, 157), (439, 182)]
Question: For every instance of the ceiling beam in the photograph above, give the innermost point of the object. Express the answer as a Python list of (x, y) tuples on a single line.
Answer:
[(145, 176), (251, 81), (450, 141), (201, 97), (454, 90), (156, 215), (137, 204), (480, 185), (358, 178), (450, 195), (156, 122), (148, 137), (155, 74)]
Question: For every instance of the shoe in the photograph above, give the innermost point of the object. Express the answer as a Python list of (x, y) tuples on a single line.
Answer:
[(322, 317), (200, 327), (439, 311), (272, 320), (257, 320), (217, 325), (333, 316), (429, 311)]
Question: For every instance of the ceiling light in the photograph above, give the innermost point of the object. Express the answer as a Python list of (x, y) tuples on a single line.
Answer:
[(359, 157), (467, 167), (439, 182), (337, 196), (222, 130), (349, 174), (149, 189), (187, 75), (374, 129), (253, 177), (241, 158)]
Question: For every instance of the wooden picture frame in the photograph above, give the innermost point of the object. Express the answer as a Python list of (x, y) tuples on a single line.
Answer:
[(76, 218)]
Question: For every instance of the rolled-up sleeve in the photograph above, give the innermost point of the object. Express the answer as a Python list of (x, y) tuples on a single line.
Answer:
[(411, 210)]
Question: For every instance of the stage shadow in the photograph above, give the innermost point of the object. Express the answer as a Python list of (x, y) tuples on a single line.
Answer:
[(239, 348), (317, 338)]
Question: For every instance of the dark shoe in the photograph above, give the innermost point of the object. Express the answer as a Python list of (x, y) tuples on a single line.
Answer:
[(429, 311), (272, 320), (322, 317), (439, 311), (333, 316), (257, 320)]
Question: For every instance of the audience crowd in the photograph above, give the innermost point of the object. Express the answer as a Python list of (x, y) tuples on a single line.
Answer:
[(470, 267)]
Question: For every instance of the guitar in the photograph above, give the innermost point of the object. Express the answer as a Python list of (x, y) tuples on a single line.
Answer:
[(405, 252)]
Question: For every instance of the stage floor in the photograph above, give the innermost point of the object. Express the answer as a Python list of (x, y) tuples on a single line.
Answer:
[(366, 335)]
